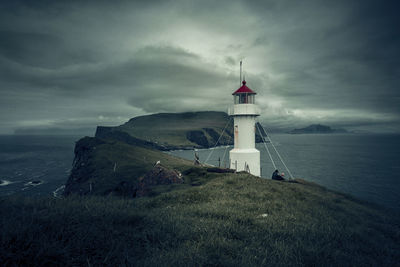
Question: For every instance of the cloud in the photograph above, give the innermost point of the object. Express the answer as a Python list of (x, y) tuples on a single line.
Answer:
[(41, 50), (309, 61)]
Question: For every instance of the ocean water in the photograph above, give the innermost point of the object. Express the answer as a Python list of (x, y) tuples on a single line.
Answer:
[(35, 165), (365, 166)]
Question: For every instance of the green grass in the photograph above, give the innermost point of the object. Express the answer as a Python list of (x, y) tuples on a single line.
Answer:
[(103, 164), (213, 219), (171, 128)]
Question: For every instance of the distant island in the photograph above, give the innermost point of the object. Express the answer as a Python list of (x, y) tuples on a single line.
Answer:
[(317, 129)]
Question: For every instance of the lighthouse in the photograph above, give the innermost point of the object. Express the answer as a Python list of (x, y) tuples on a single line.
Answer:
[(244, 156)]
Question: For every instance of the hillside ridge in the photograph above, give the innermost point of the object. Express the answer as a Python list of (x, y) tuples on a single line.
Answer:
[(172, 131)]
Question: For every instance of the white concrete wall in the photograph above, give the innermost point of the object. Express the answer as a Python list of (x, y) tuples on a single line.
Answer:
[(244, 131), (240, 157), (244, 151), (244, 109)]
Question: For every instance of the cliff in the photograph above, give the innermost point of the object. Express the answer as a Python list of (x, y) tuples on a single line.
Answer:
[(120, 160), (104, 167), (169, 131)]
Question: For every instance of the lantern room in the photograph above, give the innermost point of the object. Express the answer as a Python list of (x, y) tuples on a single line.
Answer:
[(244, 95)]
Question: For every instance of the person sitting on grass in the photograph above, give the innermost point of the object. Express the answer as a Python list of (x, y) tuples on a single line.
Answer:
[(276, 176)]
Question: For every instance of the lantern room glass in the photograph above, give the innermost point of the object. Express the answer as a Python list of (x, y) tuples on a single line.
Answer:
[(244, 98)]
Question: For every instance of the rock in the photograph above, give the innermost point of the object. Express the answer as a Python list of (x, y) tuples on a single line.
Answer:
[(220, 170), (159, 175), (197, 137), (82, 171), (211, 132)]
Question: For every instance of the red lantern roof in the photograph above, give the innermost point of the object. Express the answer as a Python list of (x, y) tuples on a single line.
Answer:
[(244, 89)]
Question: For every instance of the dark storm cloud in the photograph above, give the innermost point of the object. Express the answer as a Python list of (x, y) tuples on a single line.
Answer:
[(81, 63), (40, 50), (347, 60), (149, 72)]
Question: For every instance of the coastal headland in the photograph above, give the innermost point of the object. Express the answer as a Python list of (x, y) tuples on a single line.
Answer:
[(127, 202)]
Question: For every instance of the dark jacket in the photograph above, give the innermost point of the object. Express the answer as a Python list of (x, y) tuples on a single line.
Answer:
[(276, 176)]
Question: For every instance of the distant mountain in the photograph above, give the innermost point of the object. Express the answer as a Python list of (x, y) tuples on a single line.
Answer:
[(317, 129), (166, 131)]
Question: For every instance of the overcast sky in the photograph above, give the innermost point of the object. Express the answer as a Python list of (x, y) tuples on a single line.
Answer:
[(78, 64)]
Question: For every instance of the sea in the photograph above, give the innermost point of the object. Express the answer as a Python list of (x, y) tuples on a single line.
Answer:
[(366, 166), (36, 165)]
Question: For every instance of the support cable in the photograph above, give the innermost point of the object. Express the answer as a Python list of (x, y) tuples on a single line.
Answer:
[(212, 150), (291, 176), (265, 145), (226, 148)]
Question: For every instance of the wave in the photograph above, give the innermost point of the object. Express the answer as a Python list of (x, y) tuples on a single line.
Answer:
[(34, 183), (59, 191), (5, 182)]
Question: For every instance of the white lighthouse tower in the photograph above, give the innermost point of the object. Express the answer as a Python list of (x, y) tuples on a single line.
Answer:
[(244, 156)]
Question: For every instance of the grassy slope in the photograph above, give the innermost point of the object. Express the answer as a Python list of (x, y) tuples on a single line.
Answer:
[(171, 128), (219, 222), (130, 163)]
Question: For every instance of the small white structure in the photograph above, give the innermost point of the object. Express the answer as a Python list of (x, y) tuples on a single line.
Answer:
[(244, 156)]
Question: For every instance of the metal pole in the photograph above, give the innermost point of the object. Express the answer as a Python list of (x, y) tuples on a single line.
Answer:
[(240, 82)]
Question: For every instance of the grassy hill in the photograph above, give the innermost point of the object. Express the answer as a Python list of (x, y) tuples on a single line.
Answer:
[(172, 128), (175, 130), (225, 220), (100, 166)]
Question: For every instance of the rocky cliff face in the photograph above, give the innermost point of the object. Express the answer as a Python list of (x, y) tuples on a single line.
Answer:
[(83, 168), (159, 175), (103, 167)]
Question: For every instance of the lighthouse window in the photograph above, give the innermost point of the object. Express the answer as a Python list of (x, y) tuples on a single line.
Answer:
[(236, 99), (243, 99), (251, 99)]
